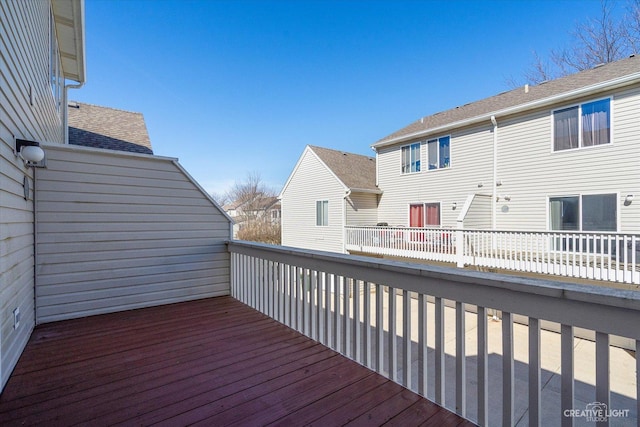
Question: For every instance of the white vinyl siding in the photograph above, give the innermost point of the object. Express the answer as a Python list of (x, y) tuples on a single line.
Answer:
[(473, 152), (531, 173), (362, 209), (118, 231), (312, 181), (24, 76)]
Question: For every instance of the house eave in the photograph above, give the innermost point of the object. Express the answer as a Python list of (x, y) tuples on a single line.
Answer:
[(540, 103), (70, 31)]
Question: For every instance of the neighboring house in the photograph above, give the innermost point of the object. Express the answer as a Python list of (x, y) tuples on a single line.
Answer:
[(327, 190), (103, 127), (561, 155), (259, 208), (112, 229)]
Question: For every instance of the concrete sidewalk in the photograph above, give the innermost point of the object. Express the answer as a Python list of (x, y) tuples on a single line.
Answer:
[(622, 370)]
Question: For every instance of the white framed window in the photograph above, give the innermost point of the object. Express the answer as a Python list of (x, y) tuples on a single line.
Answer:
[(424, 215), (586, 212), (411, 158), (322, 213), (439, 152), (583, 125)]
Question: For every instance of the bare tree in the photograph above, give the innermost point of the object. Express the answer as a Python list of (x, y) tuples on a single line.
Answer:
[(596, 41), (256, 208)]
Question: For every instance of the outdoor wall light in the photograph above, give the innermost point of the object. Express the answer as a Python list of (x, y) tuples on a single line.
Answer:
[(507, 198), (29, 151), (454, 206), (628, 199)]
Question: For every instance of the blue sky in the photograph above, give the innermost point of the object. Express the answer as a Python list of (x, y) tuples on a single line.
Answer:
[(236, 87)]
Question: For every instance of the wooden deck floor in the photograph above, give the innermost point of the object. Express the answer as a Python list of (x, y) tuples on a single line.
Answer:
[(208, 362)]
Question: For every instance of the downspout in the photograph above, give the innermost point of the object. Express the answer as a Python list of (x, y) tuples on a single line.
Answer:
[(495, 173), (65, 111), (344, 220)]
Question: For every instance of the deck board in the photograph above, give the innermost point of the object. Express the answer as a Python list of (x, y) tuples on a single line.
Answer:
[(207, 362)]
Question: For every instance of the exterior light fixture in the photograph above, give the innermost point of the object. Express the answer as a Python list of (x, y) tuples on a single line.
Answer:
[(507, 198), (628, 199), (454, 206), (29, 151)]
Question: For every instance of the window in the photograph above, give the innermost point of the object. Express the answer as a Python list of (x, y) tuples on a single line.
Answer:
[(583, 125), (594, 212), (411, 158), (322, 213), (424, 214), (439, 152)]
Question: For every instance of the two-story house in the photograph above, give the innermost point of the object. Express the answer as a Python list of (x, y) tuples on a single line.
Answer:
[(534, 162)]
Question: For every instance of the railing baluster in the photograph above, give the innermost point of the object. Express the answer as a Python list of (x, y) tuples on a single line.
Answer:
[(461, 376), (406, 338), (507, 369), (356, 350), (366, 356), (313, 302), (638, 381), (327, 309), (602, 372), (422, 345), (534, 372), (393, 344), (336, 312), (440, 357), (567, 385), (346, 335), (483, 367), (379, 329)]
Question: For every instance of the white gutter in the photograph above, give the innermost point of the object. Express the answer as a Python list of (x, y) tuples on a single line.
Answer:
[(495, 173), (566, 96), (65, 111)]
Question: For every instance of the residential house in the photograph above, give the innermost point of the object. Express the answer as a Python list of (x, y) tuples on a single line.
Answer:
[(92, 228), (538, 163), (327, 190), (258, 207), (560, 155)]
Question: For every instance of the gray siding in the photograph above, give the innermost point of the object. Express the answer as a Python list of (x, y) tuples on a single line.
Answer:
[(309, 182), (24, 58), (118, 231), (362, 209)]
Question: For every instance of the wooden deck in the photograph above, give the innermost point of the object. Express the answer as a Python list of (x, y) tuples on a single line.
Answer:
[(207, 362)]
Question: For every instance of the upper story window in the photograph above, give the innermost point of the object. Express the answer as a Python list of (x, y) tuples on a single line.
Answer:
[(322, 213), (411, 158), (438, 150), (582, 125)]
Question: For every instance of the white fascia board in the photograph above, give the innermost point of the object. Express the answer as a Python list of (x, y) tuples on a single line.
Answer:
[(566, 96)]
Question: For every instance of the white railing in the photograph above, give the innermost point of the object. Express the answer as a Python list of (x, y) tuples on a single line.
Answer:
[(596, 256), (397, 319)]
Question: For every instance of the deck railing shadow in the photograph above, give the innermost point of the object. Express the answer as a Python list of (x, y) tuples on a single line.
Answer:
[(429, 329)]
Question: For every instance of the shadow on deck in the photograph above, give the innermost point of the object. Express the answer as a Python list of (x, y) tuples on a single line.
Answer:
[(211, 362)]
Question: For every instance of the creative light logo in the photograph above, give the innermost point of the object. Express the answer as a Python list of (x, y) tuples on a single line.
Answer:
[(596, 412)]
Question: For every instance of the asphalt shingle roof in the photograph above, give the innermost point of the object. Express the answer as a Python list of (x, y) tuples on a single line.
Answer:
[(520, 96), (109, 128), (356, 171)]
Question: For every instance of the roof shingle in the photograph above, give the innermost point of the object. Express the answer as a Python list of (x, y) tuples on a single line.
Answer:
[(109, 128), (357, 172), (519, 96)]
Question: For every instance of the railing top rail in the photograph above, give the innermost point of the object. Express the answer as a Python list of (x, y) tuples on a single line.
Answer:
[(481, 230), (609, 310)]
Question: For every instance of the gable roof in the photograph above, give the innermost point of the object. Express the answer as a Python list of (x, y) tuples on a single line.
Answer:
[(355, 171), (608, 76), (103, 127)]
